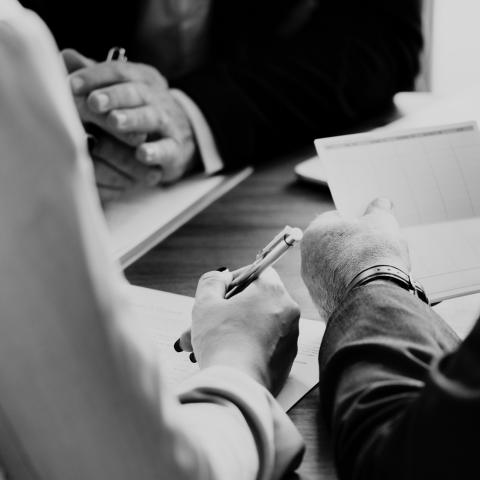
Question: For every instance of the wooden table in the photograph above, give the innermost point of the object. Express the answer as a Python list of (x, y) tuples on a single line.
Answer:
[(229, 233)]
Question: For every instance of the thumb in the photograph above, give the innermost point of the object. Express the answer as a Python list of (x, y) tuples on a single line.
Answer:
[(213, 285), (75, 61), (380, 204)]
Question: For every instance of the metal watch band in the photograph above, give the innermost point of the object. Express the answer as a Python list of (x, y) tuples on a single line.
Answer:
[(391, 273)]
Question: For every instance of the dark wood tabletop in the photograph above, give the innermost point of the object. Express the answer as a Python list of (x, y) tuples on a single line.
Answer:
[(229, 233)]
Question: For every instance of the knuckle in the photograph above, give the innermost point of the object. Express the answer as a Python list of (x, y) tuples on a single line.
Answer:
[(209, 276)]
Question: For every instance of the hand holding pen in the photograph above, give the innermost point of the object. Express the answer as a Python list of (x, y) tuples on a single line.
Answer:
[(254, 332), (240, 279)]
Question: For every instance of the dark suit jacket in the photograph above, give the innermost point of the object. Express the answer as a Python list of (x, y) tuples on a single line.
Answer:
[(282, 72), (399, 391)]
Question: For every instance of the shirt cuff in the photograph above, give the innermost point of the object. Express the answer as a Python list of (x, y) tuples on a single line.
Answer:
[(278, 441), (207, 146)]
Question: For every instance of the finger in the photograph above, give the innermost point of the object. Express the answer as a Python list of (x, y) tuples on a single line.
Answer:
[(380, 204), (269, 279), (143, 119), (105, 74), (122, 159), (213, 285), (165, 154), (100, 120), (109, 182), (121, 95), (75, 61)]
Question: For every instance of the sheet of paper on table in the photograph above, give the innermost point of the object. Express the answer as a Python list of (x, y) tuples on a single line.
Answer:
[(432, 175), (460, 313), (143, 218), (165, 316)]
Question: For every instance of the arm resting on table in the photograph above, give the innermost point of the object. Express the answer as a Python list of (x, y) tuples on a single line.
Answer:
[(401, 402)]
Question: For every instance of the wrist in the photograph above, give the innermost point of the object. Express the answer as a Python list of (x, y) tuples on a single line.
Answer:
[(244, 360), (391, 274)]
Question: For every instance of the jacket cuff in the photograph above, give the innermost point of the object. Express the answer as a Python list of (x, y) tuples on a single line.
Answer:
[(278, 442)]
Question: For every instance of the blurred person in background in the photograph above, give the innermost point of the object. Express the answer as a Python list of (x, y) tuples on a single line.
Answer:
[(217, 85), (83, 394)]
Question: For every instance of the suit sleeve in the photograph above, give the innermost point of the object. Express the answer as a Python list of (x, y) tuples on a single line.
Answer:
[(399, 392), (341, 67)]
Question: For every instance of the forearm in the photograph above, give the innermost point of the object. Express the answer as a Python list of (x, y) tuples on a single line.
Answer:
[(343, 66), (383, 402)]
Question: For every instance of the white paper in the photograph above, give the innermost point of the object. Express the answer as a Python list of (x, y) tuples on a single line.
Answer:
[(460, 313), (143, 218), (165, 316), (432, 175)]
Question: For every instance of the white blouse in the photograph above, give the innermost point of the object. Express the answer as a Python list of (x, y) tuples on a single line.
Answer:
[(79, 399)]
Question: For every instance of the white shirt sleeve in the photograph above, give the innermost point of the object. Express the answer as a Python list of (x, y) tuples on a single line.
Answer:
[(207, 147), (78, 397)]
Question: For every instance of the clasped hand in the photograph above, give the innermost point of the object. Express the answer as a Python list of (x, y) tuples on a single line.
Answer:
[(142, 134)]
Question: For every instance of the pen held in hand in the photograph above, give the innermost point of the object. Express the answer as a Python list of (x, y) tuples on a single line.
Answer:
[(267, 257)]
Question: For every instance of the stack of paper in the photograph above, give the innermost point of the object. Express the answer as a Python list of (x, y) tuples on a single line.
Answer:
[(140, 220), (432, 175)]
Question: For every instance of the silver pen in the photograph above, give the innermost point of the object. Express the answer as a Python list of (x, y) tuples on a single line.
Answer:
[(117, 54), (280, 245)]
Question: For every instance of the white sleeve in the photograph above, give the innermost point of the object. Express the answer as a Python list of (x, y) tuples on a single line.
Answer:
[(207, 147), (78, 398)]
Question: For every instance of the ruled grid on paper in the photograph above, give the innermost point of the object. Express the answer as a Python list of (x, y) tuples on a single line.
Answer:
[(432, 175)]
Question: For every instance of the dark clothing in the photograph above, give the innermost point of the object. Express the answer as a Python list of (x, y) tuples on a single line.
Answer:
[(281, 72), (400, 404)]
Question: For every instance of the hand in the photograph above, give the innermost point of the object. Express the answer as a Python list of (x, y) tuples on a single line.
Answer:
[(335, 250), (133, 103), (255, 331), (115, 171)]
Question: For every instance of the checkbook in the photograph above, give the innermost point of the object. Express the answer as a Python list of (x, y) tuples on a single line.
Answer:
[(432, 175)]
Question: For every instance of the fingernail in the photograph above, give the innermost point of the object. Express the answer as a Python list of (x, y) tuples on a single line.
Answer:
[(221, 269), (177, 346), (120, 119), (76, 84), (193, 358), (101, 101)]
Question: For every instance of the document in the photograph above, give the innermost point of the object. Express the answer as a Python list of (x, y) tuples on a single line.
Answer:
[(432, 175), (146, 216), (165, 316)]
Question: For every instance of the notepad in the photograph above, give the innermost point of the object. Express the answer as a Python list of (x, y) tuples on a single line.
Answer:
[(165, 316), (432, 175), (146, 216)]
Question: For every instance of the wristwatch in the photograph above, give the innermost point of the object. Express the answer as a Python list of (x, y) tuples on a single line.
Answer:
[(388, 273)]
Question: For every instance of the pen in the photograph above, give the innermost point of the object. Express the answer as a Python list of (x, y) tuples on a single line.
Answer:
[(117, 54), (268, 256)]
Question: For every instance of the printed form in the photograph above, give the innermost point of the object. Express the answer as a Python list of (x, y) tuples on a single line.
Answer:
[(432, 176), (165, 316)]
